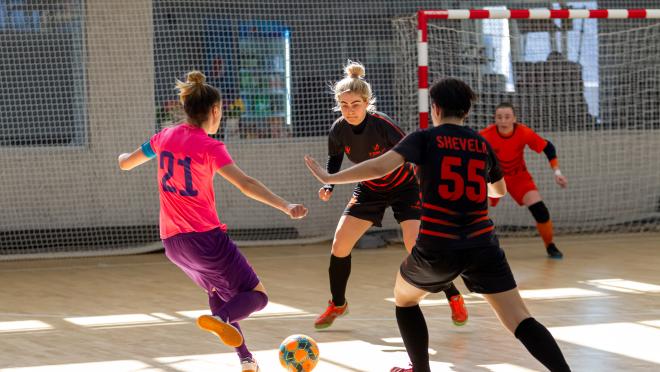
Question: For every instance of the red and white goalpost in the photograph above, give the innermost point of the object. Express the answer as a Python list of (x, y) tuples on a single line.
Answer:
[(423, 17)]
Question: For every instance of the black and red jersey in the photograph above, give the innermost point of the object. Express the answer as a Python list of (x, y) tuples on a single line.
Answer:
[(454, 165), (373, 137)]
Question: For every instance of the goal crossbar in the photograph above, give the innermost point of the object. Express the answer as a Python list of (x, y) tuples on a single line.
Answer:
[(423, 17)]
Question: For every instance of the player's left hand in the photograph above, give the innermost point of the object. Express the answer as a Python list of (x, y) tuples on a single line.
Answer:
[(316, 169), (561, 181)]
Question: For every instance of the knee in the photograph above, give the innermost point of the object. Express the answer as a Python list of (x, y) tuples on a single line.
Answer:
[(401, 299), (262, 299), (540, 212), (406, 303), (340, 250)]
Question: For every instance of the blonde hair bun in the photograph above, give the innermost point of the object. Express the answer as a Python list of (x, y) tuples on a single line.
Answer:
[(353, 82), (195, 77), (354, 70)]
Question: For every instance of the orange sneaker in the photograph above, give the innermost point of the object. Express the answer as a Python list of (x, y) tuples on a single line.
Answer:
[(331, 313), (227, 333), (459, 314)]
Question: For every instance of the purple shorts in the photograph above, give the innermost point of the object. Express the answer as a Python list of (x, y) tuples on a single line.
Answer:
[(212, 261)]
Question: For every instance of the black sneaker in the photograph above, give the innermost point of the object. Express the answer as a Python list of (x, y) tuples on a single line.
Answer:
[(553, 252)]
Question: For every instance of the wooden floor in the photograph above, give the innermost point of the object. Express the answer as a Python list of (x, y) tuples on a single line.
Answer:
[(136, 313)]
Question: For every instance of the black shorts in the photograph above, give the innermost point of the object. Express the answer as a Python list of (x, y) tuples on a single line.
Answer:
[(370, 205), (483, 269)]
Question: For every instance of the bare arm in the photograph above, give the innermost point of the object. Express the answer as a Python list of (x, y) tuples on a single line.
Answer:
[(129, 161), (258, 191), (367, 170), (497, 189)]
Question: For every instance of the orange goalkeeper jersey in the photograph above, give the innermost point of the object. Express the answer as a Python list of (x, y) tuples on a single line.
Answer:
[(510, 149)]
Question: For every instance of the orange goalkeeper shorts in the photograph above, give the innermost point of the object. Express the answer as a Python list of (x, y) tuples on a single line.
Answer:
[(517, 186)]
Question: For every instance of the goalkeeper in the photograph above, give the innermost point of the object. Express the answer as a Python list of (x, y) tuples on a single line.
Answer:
[(508, 139)]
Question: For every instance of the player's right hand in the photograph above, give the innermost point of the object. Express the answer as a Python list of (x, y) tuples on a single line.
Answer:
[(296, 211), (325, 194)]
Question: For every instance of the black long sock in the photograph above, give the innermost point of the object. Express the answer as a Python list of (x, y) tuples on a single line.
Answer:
[(340, 270), (451, 291), (415, 335), (540, 343)]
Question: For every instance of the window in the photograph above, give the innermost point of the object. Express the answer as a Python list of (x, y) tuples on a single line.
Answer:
[(498, 47), (41, 60), (540, 41)]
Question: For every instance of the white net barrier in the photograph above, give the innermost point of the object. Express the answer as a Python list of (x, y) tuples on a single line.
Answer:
[(589, 86), (86, 80)]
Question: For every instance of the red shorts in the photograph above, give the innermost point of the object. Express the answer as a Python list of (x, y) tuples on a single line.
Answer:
[(517, 186)]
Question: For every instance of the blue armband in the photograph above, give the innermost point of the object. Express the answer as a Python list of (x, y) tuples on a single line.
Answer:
[(147, 150)]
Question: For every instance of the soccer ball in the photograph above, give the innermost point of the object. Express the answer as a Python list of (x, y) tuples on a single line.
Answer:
[(299, 353)]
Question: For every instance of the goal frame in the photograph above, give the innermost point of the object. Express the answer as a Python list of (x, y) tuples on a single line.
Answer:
[(424, 16)]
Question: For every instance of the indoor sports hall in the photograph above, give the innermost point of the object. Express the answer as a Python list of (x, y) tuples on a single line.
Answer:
[(85, 281)]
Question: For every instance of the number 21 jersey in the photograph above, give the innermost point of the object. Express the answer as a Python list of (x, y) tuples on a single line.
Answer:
[(187, 161)]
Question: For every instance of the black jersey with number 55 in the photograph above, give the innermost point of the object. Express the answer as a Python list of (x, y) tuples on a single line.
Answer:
[(455, 164)]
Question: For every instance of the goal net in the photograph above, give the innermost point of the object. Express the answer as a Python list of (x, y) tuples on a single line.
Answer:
[(591, 86)]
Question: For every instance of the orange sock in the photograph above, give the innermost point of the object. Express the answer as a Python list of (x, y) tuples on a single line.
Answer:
[(545, 229)]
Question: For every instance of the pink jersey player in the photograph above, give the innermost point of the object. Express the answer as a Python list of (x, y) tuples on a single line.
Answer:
[(193, 236)]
